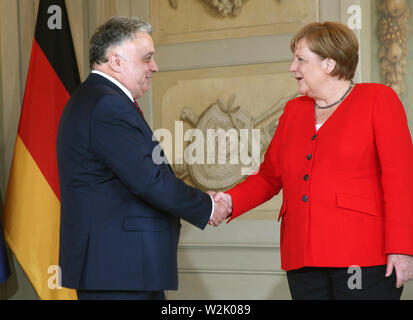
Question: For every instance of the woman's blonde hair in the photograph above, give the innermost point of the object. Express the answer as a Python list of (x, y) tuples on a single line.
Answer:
[(331, 40)]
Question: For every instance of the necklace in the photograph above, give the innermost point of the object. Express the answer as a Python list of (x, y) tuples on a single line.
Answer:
[(338, 101)]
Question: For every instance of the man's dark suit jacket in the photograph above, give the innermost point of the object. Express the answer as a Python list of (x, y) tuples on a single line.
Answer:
[(120, 212)]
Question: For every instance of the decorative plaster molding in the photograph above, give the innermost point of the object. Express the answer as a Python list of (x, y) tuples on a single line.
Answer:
[(393, 31), (203, 20), (232, 271), (233, 268), (223, 7), (250, 247), (226, 116)]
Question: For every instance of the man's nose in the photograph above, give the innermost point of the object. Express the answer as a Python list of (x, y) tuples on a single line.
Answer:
[(154, 66)]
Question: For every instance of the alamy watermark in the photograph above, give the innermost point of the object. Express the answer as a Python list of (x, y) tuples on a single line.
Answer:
[(212, 146), (355, 280), (354, 21), (55, 280), (55, 20)]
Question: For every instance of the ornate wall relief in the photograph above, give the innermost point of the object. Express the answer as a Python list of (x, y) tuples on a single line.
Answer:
[(185, 21), (223, 7), (222, 118), (394, 27), (231, 98)]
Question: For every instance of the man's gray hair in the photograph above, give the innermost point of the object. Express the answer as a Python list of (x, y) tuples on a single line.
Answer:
[(112, 33)]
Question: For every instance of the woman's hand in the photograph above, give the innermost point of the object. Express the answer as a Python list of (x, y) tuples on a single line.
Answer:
[(403, 264)]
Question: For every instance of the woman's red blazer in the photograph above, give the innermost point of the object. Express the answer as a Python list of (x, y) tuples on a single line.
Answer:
[(347, 189)]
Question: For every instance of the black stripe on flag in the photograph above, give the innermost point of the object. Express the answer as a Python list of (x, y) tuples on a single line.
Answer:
[(55, 39)]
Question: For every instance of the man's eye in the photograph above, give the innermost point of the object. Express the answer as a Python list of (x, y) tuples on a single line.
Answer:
[(147, 58)]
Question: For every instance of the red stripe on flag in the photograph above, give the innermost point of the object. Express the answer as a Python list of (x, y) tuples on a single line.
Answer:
[(44, 100)]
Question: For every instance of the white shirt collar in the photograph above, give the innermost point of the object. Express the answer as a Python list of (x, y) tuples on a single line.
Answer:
[(113, 80)]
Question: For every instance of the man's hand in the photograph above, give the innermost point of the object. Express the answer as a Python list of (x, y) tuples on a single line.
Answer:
[(221, 196), (222, 208), (403, 264)]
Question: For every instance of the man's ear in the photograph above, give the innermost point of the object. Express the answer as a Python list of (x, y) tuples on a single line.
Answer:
[(114, 62), (329, 65)]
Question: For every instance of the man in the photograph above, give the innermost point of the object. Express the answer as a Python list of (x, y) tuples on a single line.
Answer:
[(120, 212)]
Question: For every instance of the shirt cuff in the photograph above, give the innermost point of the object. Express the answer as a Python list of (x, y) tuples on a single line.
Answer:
[(213, 206)]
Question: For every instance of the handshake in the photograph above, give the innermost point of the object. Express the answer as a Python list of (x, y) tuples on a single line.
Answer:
[(222, 207)]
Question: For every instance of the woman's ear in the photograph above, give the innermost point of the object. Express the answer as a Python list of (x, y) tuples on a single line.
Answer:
[(329, 65)]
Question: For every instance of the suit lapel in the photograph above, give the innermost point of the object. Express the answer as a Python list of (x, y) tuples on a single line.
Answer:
[(96, 78)]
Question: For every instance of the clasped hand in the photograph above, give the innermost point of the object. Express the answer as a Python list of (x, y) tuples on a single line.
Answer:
[(222, 207)]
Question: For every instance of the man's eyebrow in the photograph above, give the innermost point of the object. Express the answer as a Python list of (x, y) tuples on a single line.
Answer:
[(148, 55)]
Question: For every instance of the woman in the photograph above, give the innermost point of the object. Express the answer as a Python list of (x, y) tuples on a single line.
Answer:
[(343, 156)]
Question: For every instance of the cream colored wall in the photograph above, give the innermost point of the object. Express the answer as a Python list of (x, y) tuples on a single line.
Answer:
[(235, 261)]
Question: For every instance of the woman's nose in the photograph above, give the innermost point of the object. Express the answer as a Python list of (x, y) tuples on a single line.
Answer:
[(293, 66)]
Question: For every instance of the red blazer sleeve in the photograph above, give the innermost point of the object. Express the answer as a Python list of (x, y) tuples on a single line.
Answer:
[(395, 150), (261, 187)]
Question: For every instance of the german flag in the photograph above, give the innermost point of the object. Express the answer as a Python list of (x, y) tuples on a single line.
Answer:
[(32, 205)]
